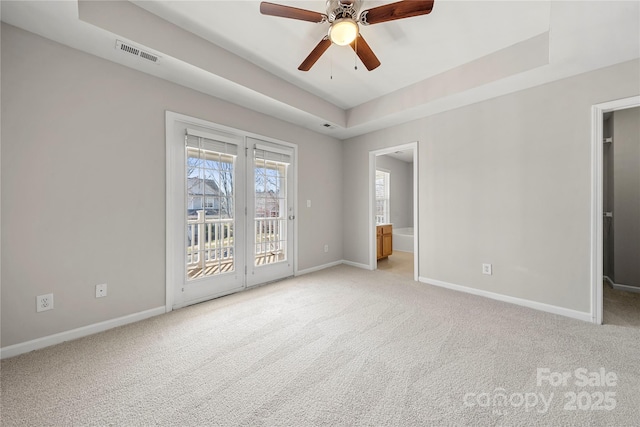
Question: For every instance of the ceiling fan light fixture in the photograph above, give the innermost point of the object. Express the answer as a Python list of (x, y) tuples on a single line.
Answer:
[(343, 19), (343, 31)]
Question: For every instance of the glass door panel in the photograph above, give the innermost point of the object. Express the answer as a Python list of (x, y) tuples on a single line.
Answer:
[(212, 231), (272, 212), (270, 216), (210, 240)]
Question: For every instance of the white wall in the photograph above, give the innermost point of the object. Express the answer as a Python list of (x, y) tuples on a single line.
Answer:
[(626, 197), (505, 181), (83, 184), (400, 191)]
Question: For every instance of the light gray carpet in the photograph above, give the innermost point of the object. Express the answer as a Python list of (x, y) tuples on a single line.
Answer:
[(621, 308), (340, 347)]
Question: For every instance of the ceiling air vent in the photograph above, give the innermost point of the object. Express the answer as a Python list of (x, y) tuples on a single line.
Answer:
[(125, 47)]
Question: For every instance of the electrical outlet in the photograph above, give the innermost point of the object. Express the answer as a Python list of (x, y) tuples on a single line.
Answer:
[(486, 269), (326, 248), (44, 302), (101, 290)]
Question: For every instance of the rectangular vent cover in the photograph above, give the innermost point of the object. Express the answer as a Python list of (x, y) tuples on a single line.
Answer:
[(125, 47)]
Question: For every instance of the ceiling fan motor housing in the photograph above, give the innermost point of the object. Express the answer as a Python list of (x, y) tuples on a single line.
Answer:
[(342, 9)]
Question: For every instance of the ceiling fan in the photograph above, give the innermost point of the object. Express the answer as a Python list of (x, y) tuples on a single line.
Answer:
[(343, 19)]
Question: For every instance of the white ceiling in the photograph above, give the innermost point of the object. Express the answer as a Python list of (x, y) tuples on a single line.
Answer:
[(410, 50), (257, 67)]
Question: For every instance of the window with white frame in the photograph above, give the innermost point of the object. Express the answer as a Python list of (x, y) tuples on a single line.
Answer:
[(382, 197)]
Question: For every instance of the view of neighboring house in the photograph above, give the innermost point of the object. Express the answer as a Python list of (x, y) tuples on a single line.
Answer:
[(203, 194)]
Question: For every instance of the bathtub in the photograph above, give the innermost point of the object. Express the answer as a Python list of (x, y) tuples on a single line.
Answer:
[(403, 239)]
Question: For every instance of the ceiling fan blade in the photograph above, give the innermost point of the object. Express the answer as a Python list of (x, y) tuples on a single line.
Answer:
[(397, 10), (364, 52), (315, 54), (273, 9)]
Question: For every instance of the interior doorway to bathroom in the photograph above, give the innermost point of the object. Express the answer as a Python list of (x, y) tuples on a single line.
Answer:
[(394, 210)]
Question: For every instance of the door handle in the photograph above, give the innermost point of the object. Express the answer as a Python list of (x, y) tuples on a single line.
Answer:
[(292, 217)]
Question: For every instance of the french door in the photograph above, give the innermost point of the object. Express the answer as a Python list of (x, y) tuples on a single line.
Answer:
[(270, 206), (230, 211)]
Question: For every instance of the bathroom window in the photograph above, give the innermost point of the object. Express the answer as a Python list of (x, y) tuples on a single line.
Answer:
[(382, 196)]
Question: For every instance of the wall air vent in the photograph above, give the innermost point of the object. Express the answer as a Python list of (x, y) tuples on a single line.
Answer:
[(126, 47)]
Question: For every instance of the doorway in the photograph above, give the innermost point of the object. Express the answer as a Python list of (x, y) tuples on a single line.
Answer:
[(394, 170), (621, 217), (230, 210), (599, 220)]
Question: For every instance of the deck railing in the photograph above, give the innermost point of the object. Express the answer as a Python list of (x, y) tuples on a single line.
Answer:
[(270, 235), (210, 241)]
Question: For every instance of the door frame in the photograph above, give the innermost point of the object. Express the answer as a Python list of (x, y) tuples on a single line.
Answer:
[(171, 177), (597, 196), (373, 264)]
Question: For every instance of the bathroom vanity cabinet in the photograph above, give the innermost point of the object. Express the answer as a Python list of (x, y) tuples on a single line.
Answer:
[(384, 240)]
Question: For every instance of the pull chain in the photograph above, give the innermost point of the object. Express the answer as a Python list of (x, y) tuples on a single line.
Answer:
[(331, 62), (355, 52)]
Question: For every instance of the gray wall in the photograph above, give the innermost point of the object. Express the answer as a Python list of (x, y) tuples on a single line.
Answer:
[(626, 197), (510, 187), (83, 184), (401, 190)]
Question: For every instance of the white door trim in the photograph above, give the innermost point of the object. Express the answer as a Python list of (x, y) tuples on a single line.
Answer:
[(172, 176), (596, 273), (372, 202)]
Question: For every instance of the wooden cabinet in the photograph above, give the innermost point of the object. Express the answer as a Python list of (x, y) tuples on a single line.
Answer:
[(384, 241)]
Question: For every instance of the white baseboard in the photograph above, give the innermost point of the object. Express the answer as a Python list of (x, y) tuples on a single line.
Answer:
[(318, 268), (332, 264), (580, 315), (627, 288), (25, 347), (356, 264)]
